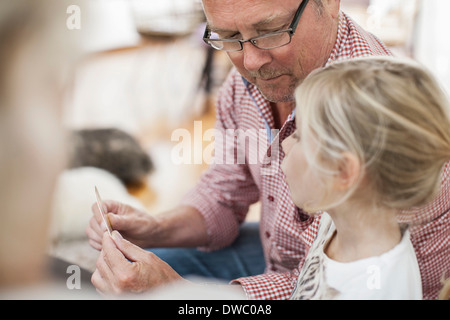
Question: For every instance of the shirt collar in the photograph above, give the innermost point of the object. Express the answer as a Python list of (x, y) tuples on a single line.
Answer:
[(341, 38)]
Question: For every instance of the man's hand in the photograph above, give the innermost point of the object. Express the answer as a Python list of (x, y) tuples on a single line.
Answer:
[(180, 227), (135, 225), (122, 267)]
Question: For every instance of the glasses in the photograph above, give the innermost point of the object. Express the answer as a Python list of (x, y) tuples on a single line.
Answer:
[(266, 41)]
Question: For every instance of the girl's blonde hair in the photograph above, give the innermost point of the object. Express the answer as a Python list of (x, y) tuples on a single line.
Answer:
[(391, 114)]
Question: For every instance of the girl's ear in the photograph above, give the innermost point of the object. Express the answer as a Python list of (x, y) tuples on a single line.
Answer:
[(349, 171)]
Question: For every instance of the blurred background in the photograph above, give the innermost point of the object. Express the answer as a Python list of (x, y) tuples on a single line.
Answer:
[(146, 72)]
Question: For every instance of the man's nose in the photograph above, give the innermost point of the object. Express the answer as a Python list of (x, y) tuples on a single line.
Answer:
[(255, 58)]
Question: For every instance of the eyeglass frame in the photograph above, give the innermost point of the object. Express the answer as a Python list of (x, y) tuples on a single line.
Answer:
[(291, 30)]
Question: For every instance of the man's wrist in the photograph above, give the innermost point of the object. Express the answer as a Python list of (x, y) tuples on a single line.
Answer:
[(182, 227)]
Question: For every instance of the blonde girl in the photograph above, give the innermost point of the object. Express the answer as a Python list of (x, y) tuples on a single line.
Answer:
[(372, 137)]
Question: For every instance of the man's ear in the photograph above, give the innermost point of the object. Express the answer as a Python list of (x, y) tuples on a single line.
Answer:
[(349, 171), (333, 7)]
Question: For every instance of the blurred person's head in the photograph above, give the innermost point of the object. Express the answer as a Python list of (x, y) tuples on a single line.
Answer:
[(34, 59)]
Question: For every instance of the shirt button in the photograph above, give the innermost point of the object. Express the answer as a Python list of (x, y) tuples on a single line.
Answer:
[(267, 234), (270, 198)]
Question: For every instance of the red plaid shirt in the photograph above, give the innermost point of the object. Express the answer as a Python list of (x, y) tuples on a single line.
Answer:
[(228, 188)]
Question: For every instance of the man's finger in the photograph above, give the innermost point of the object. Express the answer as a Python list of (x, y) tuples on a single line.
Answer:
[(112, 255), (116, 207), (99, 283), (96, 229), (117, 222), (96, 213), (128, 249)]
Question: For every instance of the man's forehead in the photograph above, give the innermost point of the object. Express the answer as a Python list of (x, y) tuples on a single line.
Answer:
[(264, 22), (224, 15)]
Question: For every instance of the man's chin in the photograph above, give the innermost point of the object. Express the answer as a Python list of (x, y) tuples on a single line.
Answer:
[(276, 92), (277, 95)]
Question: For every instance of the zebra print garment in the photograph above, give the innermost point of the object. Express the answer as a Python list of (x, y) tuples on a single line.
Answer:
[(312, 284)]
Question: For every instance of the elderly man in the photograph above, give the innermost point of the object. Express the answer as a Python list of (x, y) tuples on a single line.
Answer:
[(274, 45)]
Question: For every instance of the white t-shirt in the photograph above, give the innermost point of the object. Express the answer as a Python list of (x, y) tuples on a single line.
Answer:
[(393, 275)]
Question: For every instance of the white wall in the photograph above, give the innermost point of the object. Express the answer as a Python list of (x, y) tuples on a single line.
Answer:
[(433, 39)]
